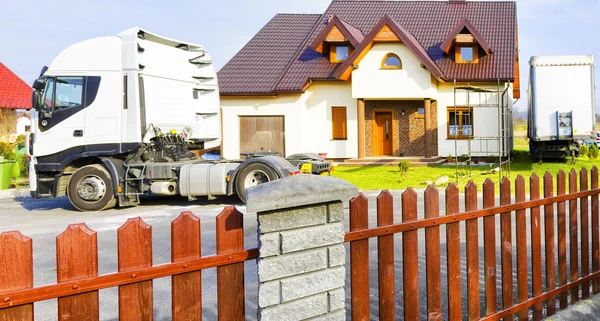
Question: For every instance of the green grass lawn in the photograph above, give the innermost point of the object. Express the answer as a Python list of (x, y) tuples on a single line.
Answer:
[(388, 177)]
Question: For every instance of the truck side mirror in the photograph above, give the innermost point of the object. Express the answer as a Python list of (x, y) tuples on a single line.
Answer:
[(36, 99), (39, 84)]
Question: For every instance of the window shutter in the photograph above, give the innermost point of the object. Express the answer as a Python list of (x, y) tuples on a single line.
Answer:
[(339, 124)]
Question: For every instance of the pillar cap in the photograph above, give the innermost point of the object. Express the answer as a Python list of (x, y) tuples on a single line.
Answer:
[(298, 190)]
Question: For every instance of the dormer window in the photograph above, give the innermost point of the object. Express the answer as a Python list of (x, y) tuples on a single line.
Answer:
[(466, 42), (339, 53), (391, 61)]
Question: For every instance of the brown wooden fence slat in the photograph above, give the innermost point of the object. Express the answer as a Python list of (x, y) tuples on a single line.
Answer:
[(385, 258), (432, 252), (453, 255), (471, 227), (359, 260), (573, 248), (549, 245), (536, 246), (134, 244), (595, 232), (562, 235), (522, 258), (506, 255), (585, 235), (16, 273), (186, 288), (230, 278), (489, 249), (77, 258), (410, 257)]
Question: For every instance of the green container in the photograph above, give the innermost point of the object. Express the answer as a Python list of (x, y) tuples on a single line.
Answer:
[(6, 173)]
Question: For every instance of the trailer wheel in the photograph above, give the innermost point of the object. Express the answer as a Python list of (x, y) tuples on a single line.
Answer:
[(251, 175), (90, 189)]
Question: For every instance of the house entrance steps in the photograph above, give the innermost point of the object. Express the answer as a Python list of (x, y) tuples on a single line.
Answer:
[(393, 161)]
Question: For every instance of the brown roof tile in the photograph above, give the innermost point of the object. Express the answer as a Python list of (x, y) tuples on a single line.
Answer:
[(428, 22)]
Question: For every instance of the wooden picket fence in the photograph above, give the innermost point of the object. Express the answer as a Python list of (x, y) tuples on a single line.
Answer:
[(513, 217), (79, 282)]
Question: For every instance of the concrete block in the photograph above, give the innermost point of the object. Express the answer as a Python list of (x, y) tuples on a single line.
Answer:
[(337, 255), (296, 310), (311, 237), (293, 219), (278, 267), (335, 212), (337, 299), (296, 191), (339, 315), (269, 244), (269, 293), (312, 283)]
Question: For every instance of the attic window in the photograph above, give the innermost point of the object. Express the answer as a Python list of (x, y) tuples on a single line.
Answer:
[(339, 53), (391, 61), (466, 54)]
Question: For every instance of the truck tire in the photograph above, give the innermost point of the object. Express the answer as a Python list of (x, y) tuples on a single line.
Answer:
[(90, 189), (251, 175)]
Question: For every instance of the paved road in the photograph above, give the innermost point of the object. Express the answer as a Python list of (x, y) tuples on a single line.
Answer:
[(43, 220)]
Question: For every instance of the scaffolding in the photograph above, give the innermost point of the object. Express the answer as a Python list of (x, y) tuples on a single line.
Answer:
[(468, 100)]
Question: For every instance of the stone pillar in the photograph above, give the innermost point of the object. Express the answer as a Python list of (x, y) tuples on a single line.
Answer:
[(301, 271), (360, 115), (428, 136)]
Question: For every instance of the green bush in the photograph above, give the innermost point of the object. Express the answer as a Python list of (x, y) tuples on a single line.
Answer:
[(583, 150), (23, 166), (463, 157), (593, 152), (403, 166), (7, 150)]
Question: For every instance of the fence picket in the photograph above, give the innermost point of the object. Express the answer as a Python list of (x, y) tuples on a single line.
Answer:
[(522, 271), (453, 255), (471, 227), (549, 245), (506, 248), (489, 249), (16, 273), (134, 244), (410, 258), (77, 258), (536, 246), (585, 235), (359, 260), (230, 278), (573, 259), (561, 217), (432, 252), (385, 258), (186, 288), (595, 232)]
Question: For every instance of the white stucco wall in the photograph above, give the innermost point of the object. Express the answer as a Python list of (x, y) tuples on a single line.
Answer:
[(21, 123), (411, 82), (307, 119)]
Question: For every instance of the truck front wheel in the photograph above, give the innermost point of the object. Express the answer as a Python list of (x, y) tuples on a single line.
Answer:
[(251, 175), (90, 189)]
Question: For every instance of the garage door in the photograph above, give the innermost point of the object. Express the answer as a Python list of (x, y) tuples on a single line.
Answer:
[(262, 134)]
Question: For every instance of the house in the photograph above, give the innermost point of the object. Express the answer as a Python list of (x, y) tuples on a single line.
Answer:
[(375, 79), (23, 124), (15, 95)]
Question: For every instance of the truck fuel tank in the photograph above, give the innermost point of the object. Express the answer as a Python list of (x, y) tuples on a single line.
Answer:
[(204, 179)]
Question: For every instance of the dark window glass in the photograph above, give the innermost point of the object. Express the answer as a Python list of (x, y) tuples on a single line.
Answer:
[(69, 92), (49, 94), (341, 52), (392, 61), (466, 53)]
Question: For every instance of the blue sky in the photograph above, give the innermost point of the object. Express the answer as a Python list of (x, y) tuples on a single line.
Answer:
[(33, 32)]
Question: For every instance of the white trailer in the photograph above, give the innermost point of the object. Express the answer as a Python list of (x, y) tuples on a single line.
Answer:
[(117, 117), (562, 105)]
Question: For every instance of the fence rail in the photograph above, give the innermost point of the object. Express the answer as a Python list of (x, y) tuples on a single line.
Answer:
[(513, 219), (78, 280)]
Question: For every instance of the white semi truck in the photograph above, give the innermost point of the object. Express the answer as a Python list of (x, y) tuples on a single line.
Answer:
[(118, 117), (562, 104)]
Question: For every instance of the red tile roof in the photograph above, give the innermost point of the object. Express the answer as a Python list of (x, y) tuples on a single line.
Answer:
[(14, 92), (428, 22)]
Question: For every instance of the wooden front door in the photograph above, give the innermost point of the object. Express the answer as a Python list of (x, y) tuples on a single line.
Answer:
[(382, 134), (262, 134)]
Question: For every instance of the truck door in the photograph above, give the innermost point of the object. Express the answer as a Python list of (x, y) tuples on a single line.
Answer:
[(61, 120)]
